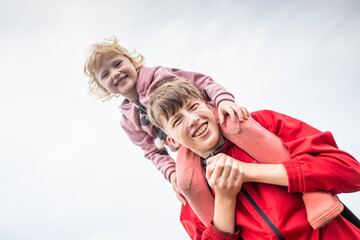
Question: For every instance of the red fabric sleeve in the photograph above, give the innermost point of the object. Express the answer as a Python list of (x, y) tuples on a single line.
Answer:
[(197, 230), (316, 163)]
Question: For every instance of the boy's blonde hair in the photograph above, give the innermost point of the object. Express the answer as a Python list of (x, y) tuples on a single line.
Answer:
[(108, 48), (169, 96)]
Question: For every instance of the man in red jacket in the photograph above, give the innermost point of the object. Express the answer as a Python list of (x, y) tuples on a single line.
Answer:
[(255, 201)]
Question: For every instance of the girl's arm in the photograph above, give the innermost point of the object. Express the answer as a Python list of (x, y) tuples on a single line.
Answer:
[(159, 157), (208, 87), (216, 93)]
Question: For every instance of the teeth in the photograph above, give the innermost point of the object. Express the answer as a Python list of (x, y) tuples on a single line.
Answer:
[(201, 130), (121, 79)]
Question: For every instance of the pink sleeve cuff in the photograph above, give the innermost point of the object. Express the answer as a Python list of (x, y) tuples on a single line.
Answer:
[(224, 96), (295, 175), (215, 234), (168, 172)]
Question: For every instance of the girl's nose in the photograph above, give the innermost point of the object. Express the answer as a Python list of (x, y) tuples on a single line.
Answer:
[(115, 74)]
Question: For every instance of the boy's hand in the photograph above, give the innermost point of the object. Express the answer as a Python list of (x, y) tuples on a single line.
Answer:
[(224, 175), (231, 108), (177, 191)]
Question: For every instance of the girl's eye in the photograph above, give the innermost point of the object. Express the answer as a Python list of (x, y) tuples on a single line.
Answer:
[(105, 75), (118, 64)]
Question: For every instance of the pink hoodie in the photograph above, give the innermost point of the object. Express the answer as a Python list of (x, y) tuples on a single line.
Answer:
[(141, 132)]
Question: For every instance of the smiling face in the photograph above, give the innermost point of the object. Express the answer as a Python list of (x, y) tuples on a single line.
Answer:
[(194, 126), (117, 75)]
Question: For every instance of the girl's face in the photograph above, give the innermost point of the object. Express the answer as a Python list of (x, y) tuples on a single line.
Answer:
[(118, 75)]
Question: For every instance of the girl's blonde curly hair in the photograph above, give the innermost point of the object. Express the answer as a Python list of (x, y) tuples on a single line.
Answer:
[(109, 47)]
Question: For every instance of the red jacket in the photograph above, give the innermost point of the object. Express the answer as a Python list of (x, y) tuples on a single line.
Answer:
[(315, 164)]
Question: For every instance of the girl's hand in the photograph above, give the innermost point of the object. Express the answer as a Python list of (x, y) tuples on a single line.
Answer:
[(231, 108), (177, 191), (224, 176)]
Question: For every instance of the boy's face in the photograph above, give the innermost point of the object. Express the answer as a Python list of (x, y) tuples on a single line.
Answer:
[(195, 126), (117, 75)]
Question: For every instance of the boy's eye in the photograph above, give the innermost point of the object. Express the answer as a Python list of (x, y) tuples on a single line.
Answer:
[(176, 122), (192, 107)]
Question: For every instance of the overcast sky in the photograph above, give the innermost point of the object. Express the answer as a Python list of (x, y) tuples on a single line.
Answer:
[(68, 171)]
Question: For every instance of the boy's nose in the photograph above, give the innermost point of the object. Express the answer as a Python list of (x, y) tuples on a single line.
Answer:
[(192, 120)]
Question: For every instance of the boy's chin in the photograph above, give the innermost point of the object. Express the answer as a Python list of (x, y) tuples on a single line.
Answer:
[(209, 146)]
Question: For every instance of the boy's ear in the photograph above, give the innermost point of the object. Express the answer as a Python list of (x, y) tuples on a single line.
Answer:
[(173, 142)]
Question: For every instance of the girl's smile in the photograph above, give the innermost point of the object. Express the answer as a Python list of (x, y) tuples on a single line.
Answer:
[(117, 75)]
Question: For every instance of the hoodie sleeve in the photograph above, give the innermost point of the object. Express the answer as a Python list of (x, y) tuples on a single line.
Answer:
[(198, 231), (315, 161), (207, 86), (159, 157)]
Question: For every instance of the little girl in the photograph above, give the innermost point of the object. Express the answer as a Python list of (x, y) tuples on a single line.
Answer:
[(114, 72)]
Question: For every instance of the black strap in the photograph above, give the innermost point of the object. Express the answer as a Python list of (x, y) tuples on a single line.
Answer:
[(141, 107), (262, 214), (350, 216)]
